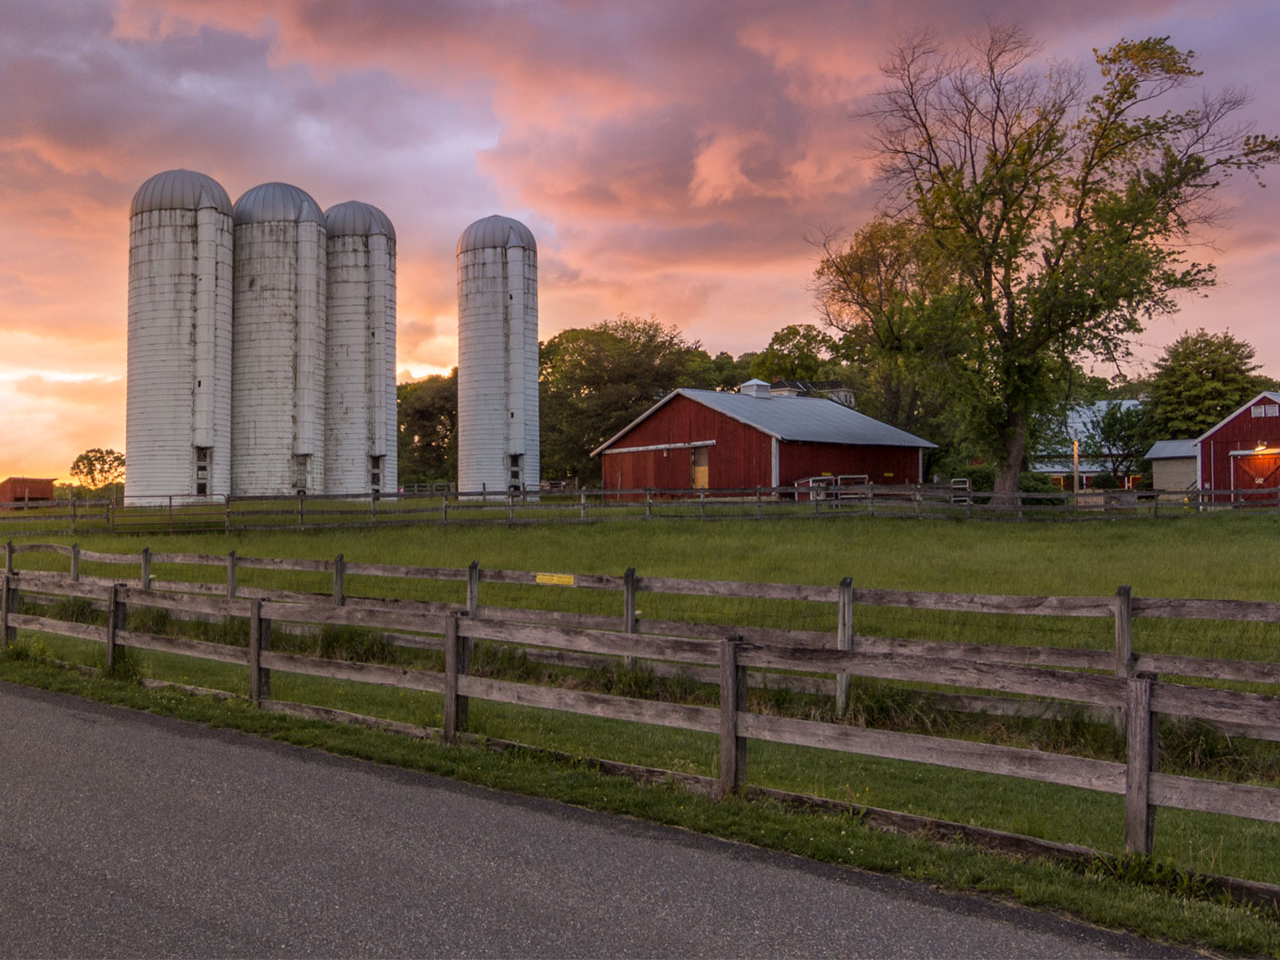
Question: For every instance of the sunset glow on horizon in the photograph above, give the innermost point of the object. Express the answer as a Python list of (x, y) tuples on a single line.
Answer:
[(673, 159)]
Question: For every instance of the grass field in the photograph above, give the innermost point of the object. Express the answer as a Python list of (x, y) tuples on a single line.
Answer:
[(1227, 557)]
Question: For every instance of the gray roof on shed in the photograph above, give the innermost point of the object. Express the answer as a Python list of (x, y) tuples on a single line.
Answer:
[(797, 419), (1171, 449)]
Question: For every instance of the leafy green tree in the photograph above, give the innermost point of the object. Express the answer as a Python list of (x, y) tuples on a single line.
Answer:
[(1116, 434), (1200, 378), (595, 380), (427, 440), (98, 467), (799, 351), (1050, 218)]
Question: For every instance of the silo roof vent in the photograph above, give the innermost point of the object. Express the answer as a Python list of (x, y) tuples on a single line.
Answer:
[(357, 219), (496, 231), (180, 190), (274, 202)]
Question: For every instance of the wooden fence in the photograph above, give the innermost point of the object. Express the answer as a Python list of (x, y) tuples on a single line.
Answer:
[(1130, 683), (187, 514)]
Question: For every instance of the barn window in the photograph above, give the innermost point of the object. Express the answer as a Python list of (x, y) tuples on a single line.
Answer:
[(1266, 410)]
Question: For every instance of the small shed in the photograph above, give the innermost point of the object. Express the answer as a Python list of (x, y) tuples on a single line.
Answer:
[(711, 440), (1173, 465), (1240, 456), (26, 489)]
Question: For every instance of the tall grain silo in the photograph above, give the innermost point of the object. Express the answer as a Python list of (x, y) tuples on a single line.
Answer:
[(178, 411), (278, 357), (497, 357), (360, 374)]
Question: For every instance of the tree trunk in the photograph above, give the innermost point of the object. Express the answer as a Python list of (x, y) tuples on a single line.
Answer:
[(1010, 469)]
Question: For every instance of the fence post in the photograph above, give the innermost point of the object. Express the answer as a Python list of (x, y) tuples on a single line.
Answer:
[(648, 502), (1141, 760), (259, 642), (339, 576), (844, 640), (301, 516), (759, 503), (8, 557), (231, 575), (226, 520), (473, 588), (629, 610), (111, 522), (1124, 632), (456, 661), (8, 605), (73, 515), (444, 508), (733, 699), (145, 579), (117, 620), (75, 563), (702, 504), (511, 505), (582, 507)]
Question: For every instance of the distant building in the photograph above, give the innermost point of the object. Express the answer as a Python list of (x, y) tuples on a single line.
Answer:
[(25, 490), (1173, 465), (1059, 461), (1240, 455), (709, 440)]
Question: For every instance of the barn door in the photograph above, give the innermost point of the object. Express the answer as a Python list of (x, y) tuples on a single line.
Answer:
[(1258, 472), (700, 468)]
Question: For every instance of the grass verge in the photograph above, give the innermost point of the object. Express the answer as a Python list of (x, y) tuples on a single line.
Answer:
[(1155, 903)]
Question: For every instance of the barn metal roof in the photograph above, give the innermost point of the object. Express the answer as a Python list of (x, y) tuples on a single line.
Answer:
[(180, 190), (357, 219), (496, 231), (1171, 449), (797, 419)]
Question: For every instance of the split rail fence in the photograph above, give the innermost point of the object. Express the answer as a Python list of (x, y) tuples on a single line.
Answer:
[(1118, 679), (184, 514)]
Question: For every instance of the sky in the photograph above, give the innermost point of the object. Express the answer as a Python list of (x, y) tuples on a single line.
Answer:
[(673, 158)]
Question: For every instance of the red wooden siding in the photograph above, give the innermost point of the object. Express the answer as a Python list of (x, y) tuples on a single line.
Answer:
[(1219, 470), (25, 488), (742, 457)]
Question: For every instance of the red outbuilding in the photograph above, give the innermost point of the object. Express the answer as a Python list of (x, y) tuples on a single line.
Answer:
[(25, 490), (1240, 456), (709, 440)]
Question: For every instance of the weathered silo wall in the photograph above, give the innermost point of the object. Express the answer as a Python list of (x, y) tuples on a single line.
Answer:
[(360, 374), (178, 411), (497, 357), (278, 356)]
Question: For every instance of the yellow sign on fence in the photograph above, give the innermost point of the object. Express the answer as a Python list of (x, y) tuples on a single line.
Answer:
[(555, 579)]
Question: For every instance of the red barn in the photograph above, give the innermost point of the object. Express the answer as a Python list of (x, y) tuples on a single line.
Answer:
[(1241, 455), (25, 489), (708, 440)]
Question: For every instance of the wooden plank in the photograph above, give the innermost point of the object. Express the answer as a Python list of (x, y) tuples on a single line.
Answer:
[(376, 673), (59, 584), (811, 639), (282, 596), (180, 645), (681, 716), (1248, 671), (376, 617), (1243, 610), (591, 581), (1213, 796), (286, 563), (988, 653), (969, 603), (1140, 760), (1227, 706), (678, 649), (42, 547), (1004, 678), (189, 586), (194, 559), (62, 628), (216, 606), (733, 702), (97, 557), (1100, 775), (719, 588), (411, 573)]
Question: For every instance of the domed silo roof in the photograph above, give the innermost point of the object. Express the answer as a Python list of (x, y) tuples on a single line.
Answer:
[(273, 202), (496, 231), (356, 219), (180, 190)]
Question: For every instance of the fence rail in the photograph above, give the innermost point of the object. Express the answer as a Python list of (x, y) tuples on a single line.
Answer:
[(1129, 686), (188, 513)]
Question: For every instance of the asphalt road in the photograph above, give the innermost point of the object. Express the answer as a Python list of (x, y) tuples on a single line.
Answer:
[(124, 834)]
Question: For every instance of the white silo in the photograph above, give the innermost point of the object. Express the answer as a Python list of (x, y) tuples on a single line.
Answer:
[(497, 357), (360, 374), (178, 410), (278, 357)]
